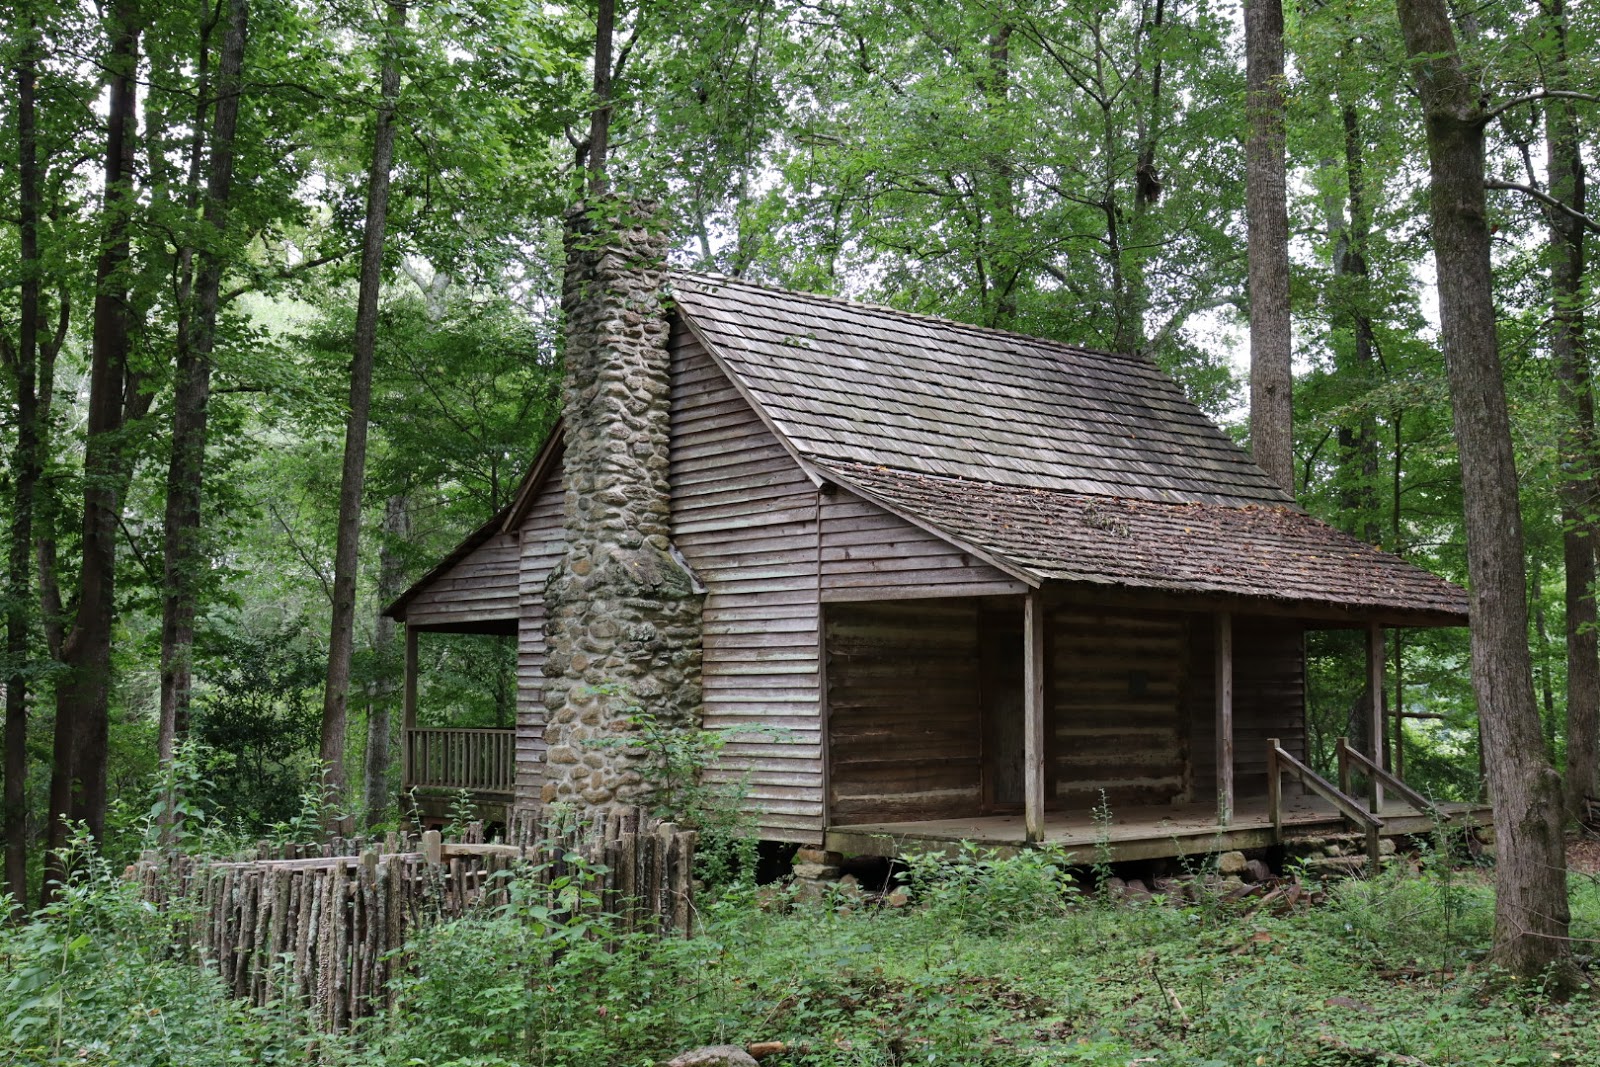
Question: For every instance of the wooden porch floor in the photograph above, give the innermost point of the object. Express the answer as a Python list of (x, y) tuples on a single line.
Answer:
[(1136, 834)]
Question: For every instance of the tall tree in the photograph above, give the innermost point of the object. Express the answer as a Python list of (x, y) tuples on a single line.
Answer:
[(352, 482), (1569, 346), (1531, 914), (1267, 215), (382, 690), (196, 340), (600, 118), (23, 360), (78, 772)]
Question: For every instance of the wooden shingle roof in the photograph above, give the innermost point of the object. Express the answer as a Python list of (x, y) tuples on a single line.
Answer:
[(1258, 551), (1059, 463), (856, 383)]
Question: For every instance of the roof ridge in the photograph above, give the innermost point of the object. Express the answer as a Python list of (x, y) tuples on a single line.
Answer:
[(919, 316)]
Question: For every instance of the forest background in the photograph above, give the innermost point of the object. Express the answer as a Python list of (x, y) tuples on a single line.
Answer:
[(218, 212)]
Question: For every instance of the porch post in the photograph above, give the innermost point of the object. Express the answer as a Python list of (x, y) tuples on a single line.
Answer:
[(1224, 694), (1375, 658), (1033, 717), (408, 705)]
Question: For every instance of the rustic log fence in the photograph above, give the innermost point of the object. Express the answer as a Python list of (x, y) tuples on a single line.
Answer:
[(329, 932)]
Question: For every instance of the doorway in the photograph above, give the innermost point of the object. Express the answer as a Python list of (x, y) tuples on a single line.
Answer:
[(1000, 685)]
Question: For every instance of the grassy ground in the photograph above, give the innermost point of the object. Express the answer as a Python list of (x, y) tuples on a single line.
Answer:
[(988, 971), (987, 963)]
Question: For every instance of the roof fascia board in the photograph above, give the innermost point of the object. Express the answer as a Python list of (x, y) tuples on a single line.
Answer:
[(686, 317), (555, 443), (819, 477), (998, 562), (464, 548), (504, 521), (1315, 614)]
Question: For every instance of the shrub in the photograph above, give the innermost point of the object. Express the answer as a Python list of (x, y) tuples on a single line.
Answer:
[(990, 891), (547, 980)]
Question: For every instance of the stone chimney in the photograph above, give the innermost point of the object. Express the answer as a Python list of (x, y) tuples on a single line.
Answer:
[(622, 623)]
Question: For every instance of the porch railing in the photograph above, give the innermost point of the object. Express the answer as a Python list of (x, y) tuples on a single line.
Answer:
[(1281, 762), (481, 761)]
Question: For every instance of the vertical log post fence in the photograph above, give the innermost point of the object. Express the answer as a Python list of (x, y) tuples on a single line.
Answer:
[(330, 931)]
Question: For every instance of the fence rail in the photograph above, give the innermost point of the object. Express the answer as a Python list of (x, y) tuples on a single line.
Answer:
[(482, 761), (331, 931)]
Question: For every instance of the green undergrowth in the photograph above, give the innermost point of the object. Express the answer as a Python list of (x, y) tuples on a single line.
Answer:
[(990, 962)]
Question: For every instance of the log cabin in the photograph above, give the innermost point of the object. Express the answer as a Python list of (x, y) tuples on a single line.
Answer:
[(950, 583)]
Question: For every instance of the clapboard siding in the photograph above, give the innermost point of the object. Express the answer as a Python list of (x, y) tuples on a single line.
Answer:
[(479, 587), (903, 711), (865, 549), (745, 518), (543, 540), (1115, 718), (1268, 700)]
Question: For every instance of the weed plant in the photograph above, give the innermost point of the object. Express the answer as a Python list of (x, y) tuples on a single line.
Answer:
[(989, 891), (992, 963)]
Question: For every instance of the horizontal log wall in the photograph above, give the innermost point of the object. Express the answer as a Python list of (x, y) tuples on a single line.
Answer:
[(1268, 701), (744, 516), (1114, 721), (903, 711), (479, 587)]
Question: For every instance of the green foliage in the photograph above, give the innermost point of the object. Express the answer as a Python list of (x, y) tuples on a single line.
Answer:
[(676, 759), (991, 163), (547, 980), (991, 891), (462, 813), (989, 965), (317, 808), (679, 768), (255, 726)]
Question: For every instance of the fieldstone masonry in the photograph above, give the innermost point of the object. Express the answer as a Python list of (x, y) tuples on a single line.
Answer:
[(622, 623)]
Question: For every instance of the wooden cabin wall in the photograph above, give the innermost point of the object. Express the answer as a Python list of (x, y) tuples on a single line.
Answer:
[(1115, 721), (1268, 701), (543, 541), (744, 516), (479, 587), (903, 718), (871, 554)]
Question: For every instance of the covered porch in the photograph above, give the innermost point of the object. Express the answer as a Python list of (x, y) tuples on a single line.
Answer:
[(1140, 834), (454, 749), (1152, 726), (441, 765)]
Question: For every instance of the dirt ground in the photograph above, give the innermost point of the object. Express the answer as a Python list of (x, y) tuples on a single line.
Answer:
[(1583, 853)]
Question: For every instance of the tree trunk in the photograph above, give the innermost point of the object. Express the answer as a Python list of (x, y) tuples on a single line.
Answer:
[(183, 558), (1358, 439), (1267, 213), (1531, 913), (600, 119), (391, 583), (1133, 302), (78, 774), (341, 633), (1569, 346), (1003, 269), (26, 468), (1545, 688)]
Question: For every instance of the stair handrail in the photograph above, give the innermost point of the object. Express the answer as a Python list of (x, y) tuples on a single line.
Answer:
[(1348, 753), (1280, 761)]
